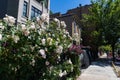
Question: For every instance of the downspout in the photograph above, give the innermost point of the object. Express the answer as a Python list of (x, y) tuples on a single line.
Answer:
[(28, 10)]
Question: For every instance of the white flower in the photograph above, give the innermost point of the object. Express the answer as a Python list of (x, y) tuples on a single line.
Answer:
[(32, 26), (1, 26), (67, 32), (0, 37), (53, 35), (49, 41), (69, 45), (47, 63), (33, 62), (64, 36), (69, 61), (5, 19), (43, 41), (56, 20), (16, 38), (59, 49), (23, 27), (38, 19), (9, 20), (56, 43), (58, 39), (62, 73), (26, 33), (39, 32), (49, 34), (43, 17), (42, 52), (63, 24), (46, 49), (43, 27), (32, 48), (47, 20)]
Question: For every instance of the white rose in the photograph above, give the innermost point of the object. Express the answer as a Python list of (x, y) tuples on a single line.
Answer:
[(47, 63), (56, 43), (1, 26), (47, 20), (65, 72), (49, 41), (43, 17), (9, 20), (43, 41), (23, 27), (5, 19), (16, 38), (64, 36), (32, 26), (37, 19), (69, 61), (0, 37), (63, 24), (62, 73), (42, 52), (33, 62), (26, 33), (67, 32), (59, 49), (56, 20), (53, 35)]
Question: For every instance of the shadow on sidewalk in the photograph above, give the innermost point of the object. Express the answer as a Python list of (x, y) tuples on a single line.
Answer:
[(102, 62)]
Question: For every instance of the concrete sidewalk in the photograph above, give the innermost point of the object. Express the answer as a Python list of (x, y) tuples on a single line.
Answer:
[(99, 70)]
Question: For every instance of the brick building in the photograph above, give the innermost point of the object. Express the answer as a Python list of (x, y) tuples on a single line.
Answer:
[(73, 19)]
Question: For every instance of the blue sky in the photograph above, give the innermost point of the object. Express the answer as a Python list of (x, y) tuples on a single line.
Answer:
[(64, 5)]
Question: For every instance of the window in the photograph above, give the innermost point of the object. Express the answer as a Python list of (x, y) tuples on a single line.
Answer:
[(39, 0), (46, 3), (25, 9), (35, 12)]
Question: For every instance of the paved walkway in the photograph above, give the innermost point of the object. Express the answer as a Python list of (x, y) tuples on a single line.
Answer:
[(99, 70)]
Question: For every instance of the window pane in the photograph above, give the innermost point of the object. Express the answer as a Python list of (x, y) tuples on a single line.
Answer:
[(25, 9), (35, 12)]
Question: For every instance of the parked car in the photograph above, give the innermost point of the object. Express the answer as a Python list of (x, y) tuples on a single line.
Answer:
[(86, 57)]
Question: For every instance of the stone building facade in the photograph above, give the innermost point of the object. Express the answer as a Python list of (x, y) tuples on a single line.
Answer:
[(24, 9)]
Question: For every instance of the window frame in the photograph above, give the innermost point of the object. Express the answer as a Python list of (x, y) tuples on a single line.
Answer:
[(35, 12), (25, 9)]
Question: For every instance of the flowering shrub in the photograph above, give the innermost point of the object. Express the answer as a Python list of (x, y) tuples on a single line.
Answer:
[(35, 50)]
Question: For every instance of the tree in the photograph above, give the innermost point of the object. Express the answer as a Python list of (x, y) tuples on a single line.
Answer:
[(105, 17)]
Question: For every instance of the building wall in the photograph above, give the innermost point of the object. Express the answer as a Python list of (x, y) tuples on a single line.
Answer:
[(68, 20), (3, 8), (15, 8), (31, 3), (72, 26), (77, 17), (12, 8)]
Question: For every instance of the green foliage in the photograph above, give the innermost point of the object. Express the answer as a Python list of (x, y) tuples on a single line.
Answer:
[(105, 48), (104, 17)]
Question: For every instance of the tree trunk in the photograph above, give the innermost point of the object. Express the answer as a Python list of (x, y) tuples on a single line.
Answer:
[(113, 54)]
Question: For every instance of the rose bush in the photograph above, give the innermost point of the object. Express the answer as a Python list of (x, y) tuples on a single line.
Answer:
[(35, 50)]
